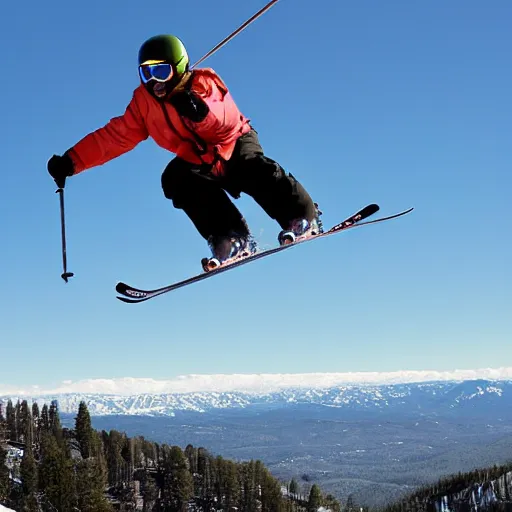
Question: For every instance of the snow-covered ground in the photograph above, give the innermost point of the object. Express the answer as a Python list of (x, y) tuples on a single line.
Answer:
[(5, 509)]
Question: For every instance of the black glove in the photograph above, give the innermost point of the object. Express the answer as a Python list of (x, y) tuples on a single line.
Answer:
[(189, 105), (60, 167)]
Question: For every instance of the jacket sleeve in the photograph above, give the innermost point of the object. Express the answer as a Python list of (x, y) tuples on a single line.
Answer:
[(120, 135), (223, 116)]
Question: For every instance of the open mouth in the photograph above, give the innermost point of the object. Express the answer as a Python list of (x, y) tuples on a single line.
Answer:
[(159, 89)]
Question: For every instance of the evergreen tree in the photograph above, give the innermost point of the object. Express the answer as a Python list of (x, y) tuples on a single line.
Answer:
[(84, 431), (117, 466), (28, 466), (192, 455), (148, 490), (315, 498), (293, 489), (10, 417), (250, 494), (28, 475), (228, 483), (350, 505), (90, 486), (17, 421), (44, 424), (56, 475), (205, 489), (36, 419), (4, 475), (25, 425), (35, 411), (54, 420), (332, 504), (178, 485), (3, 426), (271, 497)]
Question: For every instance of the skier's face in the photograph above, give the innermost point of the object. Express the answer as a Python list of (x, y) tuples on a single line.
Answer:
[(157, 78)]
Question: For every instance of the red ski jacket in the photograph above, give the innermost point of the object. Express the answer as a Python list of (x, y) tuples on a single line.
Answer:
[(210, 141)]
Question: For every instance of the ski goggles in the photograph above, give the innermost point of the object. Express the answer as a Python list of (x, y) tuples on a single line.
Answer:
[(160, 72)]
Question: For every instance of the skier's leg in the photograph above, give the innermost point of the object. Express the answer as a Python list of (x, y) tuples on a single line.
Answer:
[(279, 193), (207, 205)]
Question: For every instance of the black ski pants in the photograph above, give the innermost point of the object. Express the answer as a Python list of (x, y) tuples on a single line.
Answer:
[(204, 197)]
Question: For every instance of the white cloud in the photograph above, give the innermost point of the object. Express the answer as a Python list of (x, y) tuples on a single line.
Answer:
[(252, 383)]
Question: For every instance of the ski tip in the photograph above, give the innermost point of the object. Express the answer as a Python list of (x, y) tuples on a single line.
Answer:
[(121, 287)]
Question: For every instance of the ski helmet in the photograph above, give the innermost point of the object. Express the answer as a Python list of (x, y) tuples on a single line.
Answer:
[(165, 48)]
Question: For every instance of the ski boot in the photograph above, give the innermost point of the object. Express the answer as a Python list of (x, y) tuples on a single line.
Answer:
[(300, 229), (227, 249)]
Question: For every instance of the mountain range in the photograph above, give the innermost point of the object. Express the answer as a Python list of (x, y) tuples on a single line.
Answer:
[(475, 395)]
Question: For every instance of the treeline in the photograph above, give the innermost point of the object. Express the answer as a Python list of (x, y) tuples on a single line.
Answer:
[(81, 469)]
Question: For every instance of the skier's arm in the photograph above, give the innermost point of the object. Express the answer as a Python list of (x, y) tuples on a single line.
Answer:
[(209, 110), (118, 136)]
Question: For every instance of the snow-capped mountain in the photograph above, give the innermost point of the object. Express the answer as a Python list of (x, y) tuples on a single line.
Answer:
[(157, 398)]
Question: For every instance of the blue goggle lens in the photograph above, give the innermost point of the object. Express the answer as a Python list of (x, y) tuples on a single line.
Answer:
[(158, 72)]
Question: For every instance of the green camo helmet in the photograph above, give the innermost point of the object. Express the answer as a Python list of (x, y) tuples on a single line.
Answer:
[(165, 48)]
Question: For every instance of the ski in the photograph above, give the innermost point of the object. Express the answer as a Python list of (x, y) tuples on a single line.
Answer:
[(134, 295)]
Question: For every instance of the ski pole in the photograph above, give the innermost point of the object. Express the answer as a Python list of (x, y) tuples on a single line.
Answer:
[(237, 31), (65, 274)]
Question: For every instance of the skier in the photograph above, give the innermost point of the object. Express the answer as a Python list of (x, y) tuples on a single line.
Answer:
[(192, 114)]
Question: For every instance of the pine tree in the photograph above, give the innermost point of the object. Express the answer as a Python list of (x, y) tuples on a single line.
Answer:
[(56, 475), (44, 424), (35, 411), (192, 455), (4, 475), (332, 504), (148, 490), (315, 498), (228, 483), (117, 466), (293, 488), (54, 420), (28, 466), (3, 426), (90, 485), (250, 495), (205, 479), (349, 505), (26, 425), (10, 417), (84, 431), (271, 498), (178, 485), (36, 419), (17, 420), (28, 475)]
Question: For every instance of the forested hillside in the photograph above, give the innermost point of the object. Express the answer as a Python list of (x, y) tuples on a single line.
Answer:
[(45, 467), (486, 489)]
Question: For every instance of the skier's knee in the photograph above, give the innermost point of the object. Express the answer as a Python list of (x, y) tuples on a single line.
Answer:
[(263, 167), (173, 183)]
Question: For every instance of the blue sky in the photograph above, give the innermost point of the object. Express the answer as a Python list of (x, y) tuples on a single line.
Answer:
[(399, 103)]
